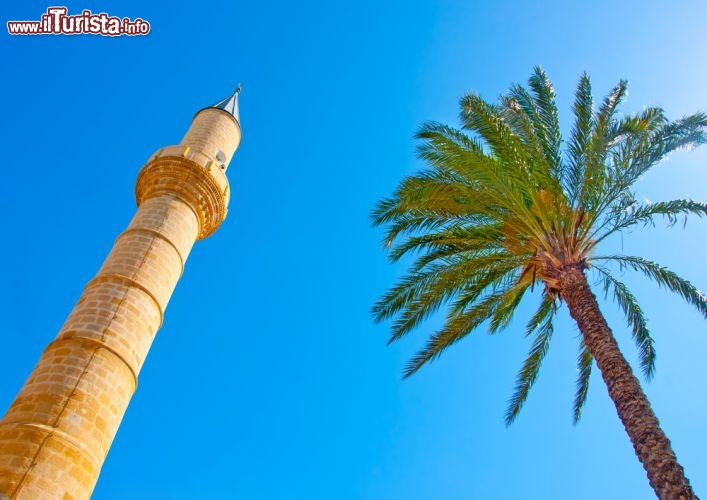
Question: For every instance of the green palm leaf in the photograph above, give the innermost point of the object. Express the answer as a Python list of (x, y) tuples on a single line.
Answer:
[(541, 322), (626, 215), (584, 370), (664, 277), (456, 328), (635, 319)]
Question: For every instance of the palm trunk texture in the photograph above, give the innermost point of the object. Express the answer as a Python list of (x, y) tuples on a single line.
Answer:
[(652, 447)]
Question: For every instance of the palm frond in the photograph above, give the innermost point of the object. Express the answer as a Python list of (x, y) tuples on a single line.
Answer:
[(521, 115), (458, 238), (584, 370), (659, 141), (504, 312), (491, 185), (664, 277), (627, 215), (456, 327), (583, 109), (549, 132), (641, 142), (597, 149), (485, 119), (430, 289), (635, 319), (542, 323), (510, 173)]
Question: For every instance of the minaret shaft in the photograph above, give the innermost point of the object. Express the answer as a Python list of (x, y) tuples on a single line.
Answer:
[(55, 436), (64, 419)]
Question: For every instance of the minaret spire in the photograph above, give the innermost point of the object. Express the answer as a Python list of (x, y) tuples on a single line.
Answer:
[(57, 432), (229, 104)]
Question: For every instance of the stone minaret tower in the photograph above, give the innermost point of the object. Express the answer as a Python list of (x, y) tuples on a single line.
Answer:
[(56, 434)]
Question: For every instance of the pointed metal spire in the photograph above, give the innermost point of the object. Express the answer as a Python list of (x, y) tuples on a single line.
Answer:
[(230, 104)]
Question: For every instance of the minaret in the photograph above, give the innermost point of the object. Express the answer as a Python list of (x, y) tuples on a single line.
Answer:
[(55, 436)]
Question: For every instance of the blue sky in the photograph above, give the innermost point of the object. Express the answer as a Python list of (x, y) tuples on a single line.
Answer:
[(268, 379)]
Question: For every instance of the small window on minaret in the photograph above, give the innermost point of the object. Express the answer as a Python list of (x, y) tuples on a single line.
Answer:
[(221, 159)]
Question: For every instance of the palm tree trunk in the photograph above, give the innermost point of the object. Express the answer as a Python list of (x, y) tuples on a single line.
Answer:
[(652, 447)]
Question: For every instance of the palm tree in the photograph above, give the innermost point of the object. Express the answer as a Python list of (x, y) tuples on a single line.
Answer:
[(503, 209)]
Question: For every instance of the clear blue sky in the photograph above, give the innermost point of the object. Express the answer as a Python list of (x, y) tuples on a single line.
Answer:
[(268, 379)]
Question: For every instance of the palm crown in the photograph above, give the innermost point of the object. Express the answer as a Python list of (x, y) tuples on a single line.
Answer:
[(503, 209)]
